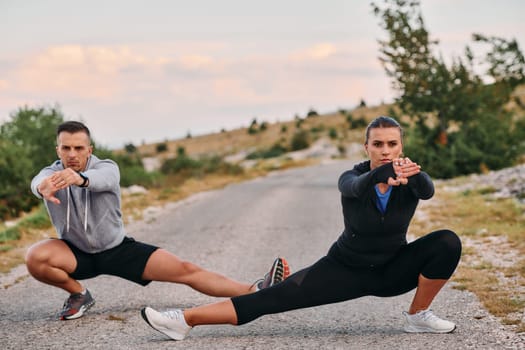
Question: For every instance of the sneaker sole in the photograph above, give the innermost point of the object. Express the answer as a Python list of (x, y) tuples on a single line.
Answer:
[(165, 331), (413, 329), (79, 313), (286, 268)]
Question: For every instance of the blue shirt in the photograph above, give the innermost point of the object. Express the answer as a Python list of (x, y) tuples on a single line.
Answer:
[(382, 198)]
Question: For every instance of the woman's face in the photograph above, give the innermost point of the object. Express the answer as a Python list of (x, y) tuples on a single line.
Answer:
[(383, 145)]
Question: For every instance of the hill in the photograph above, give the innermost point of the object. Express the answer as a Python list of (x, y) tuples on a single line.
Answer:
[(337, 126), (343, 128)]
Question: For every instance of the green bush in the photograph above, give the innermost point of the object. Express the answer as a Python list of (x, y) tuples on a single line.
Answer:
[(298, 122), (274, 151), (312, 113), (37, 220), (356, 123), (10, 234), (137, 175), (161, 147), (178, 164), (131, 169), (253, 129), (184, 164), (300, 140), (316, 129), (130, 148), (216, 165)]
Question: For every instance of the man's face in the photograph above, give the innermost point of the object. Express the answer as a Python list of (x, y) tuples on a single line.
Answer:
[(384, 144), (74, 150)]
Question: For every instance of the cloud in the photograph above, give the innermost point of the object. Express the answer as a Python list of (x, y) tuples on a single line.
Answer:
[(4, 84), (160, 81), (105, 73), (318, 51), (196, 61), (71, 71)]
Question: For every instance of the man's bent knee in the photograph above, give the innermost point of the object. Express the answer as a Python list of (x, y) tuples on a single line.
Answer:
[(53, 253)]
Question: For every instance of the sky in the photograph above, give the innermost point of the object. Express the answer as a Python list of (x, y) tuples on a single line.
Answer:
[(149, 71)]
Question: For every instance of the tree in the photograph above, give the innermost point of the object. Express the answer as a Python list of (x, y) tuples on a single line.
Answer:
[(15, 172), (312, 113), (34, 129), (130, 148), (161, 147), (26, 146), (452, 109), (253, 127)]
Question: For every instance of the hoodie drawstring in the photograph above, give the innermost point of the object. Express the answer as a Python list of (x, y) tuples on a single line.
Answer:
[(67, 211), (86, 210)]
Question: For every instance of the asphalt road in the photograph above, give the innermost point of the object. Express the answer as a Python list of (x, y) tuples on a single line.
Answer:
[(238, 231)]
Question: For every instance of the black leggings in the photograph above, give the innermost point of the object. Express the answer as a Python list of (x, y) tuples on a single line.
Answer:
[(435, 256)]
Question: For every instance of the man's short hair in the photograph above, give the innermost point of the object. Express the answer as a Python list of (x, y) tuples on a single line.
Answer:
[(73, 127)]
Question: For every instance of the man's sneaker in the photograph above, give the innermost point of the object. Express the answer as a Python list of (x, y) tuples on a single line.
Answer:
[(76, 305), (169, 322), (278, 273), (426, 322)]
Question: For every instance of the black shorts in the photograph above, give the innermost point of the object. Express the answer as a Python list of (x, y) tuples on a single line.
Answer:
[(127, 260)]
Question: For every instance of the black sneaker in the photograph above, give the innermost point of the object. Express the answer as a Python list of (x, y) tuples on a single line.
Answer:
[(76, 305), (278, 273)]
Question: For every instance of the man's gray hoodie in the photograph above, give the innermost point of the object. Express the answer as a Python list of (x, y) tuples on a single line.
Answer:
[(88, 217)]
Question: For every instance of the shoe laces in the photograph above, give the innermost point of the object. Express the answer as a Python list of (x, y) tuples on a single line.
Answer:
[(428, 315), (174, 314), (71, 299), (279, 272)]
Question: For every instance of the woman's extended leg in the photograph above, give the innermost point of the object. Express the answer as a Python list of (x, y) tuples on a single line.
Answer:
[(325, 282)]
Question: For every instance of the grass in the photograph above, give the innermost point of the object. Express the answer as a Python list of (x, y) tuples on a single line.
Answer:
[(493, 259), (10, 234), (484, 224), (14, 240)]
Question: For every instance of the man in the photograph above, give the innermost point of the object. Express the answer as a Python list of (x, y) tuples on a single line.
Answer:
[(82, 196)]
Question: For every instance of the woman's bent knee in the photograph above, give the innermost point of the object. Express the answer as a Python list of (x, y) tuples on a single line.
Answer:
[(451, 242), (444, 253)]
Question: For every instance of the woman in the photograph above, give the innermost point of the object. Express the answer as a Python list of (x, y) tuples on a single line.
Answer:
[(371, 257)]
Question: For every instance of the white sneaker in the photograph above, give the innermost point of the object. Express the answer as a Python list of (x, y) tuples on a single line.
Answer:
[(170, 322), (426, 322)]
